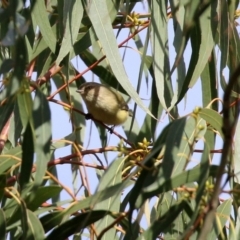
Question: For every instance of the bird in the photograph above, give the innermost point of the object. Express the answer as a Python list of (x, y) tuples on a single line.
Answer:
[(104, 103)]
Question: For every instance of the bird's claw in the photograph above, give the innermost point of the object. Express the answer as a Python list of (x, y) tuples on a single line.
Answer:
[(88, 116), (111, 129)]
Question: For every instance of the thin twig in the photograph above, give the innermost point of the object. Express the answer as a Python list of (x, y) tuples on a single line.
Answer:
[(123, 215)]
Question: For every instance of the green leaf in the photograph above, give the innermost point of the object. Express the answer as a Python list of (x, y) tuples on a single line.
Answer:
[(10, 158), (20, 64), (165, 204), (15, 209), (6, 66), (38, 48), (111, 177), (206, 46), (195, 37), (146, 178), (179, 140), (113, 7), (159, 28), (15, 127), (5, 112), (196, 26), (185, 177), (51, 208), (3, 184), (103, 28), (206, 171), (222, 217), (25, 105), (27, 157), (35, 229), (84, 41), (51, 220), (53, 170), (136, 134), (41, 195), (236, 154), (213, 118), (28, 48), (233, 230), (179, 143), (209, 83), (178, 42), (40, 15), (223, 40), (234, 56), (76, 224), (205, 168), (98, 197), (24, 219), (12, 211), (73, 12), (3, 224), (41, 49), (42, 125), (63, 142), (45, 67), (103, 73), (164, 222)]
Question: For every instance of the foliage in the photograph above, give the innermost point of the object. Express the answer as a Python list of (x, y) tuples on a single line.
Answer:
[(153, 189)]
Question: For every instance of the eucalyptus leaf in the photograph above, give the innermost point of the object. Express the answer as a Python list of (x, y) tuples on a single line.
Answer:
[(102, 26)]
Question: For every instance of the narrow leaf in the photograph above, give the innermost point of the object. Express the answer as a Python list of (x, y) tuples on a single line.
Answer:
[(3, 225), (164, 222), (73, 12), (111, 177), (206, 45), (209, 83), (222, 217), (35, 229), (213, 118), (41, 195), (9, 158), (25, 105), (5, 112), (98, 197), (39, 13), (159, 28), (236, 154), (76, 224), (188, 176), (42, 125), (27, 157), (51, 220), (98, 14)]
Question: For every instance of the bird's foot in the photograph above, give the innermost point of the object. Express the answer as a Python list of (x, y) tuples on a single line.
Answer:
[(88, 116), (111, 129)]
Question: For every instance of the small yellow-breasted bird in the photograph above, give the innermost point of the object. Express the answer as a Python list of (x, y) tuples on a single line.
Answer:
[(104, 103)]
